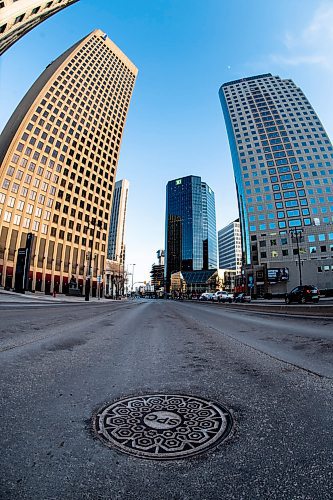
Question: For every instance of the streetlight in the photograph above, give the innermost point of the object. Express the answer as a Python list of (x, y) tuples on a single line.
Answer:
[(91, 245), (294, 234), (132, 276)]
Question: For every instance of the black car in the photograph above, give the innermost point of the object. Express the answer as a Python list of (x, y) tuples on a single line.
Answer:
[(242, 297), (303, 294)]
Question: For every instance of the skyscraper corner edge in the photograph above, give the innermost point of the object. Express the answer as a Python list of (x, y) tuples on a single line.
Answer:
[(238, 176)]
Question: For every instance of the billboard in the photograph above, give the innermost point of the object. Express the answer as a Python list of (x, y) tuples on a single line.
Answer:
[(278, 274)]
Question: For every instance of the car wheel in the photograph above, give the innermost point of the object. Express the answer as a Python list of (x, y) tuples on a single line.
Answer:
[(303, 300), (316, 301), (287, 300)]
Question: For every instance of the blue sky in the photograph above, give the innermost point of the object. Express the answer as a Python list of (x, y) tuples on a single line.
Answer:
[(184, 50)]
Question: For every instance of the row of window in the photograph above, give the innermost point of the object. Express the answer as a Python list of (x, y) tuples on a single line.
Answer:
[(27, 15), (285, 252)]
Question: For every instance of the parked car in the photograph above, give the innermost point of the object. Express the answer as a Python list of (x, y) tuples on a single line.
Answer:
[(303, 294), (222, 296), (206, 296), (242, 297)]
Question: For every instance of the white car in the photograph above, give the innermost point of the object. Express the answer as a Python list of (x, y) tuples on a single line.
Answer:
[(222, 296), (206, 296)]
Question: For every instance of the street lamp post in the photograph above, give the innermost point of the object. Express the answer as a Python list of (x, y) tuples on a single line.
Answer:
[(89, 277), (132, 277), (294, 234)]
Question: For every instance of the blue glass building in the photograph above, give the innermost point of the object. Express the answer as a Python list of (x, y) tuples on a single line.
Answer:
[(190, 226), (283, 167)]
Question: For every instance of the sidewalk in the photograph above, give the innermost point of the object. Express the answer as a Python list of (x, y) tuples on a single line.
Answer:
[(7, 296)]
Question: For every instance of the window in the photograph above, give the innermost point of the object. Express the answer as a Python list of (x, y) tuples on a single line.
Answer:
[(29, 208), (26, 222), (7, 216), (11, 201), (18, 19), (17, 220)]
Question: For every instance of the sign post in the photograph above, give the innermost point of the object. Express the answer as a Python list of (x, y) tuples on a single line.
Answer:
[(23, 266), (99, 281)]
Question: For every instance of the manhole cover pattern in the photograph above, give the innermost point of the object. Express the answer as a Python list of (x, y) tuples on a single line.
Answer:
[(162, 427)]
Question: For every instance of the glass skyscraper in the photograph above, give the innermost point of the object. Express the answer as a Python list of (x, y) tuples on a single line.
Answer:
[(190, 226), (283, 166)]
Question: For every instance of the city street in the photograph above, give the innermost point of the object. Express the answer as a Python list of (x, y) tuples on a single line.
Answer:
[(63, 361)]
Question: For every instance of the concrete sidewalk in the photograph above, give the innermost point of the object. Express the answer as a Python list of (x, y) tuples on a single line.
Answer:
[(8, 296)]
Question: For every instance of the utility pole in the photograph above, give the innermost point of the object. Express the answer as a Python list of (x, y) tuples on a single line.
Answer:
[(132, 277), (294, 234)]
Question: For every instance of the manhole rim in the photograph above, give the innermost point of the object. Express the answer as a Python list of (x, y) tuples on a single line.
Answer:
[(216, 441)]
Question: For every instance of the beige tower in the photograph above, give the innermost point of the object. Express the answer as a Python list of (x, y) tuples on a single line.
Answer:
[(116, 241), (58, 159), (17, 17)]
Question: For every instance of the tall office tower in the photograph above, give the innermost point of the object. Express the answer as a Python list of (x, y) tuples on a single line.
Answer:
[(157, 271), (209, 228), (190, 226), (17, 17), (283, 169), (160, 257), (58, 159), (116, 242), (230, 247)]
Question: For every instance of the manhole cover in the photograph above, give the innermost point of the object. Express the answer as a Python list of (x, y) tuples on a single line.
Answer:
[(162, 426)]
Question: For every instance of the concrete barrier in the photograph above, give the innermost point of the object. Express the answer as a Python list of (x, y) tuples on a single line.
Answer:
[(325, 311)]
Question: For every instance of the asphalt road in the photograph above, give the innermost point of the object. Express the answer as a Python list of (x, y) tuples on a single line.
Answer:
[(61, 362)]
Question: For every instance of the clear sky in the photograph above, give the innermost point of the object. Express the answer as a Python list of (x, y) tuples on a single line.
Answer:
[(184, 50)]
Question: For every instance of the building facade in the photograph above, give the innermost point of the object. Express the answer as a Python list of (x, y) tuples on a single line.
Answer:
[(190, 226), (193, 283), (208, 227), (116, 240), (18, 17), (283, 166), (58, 160), (230, 247), (157, 272)]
